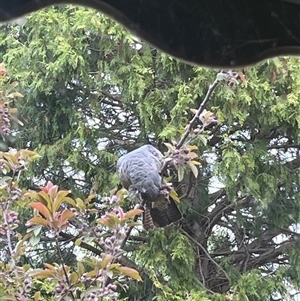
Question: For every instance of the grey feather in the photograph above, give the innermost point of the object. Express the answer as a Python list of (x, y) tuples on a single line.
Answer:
[(139, 172)]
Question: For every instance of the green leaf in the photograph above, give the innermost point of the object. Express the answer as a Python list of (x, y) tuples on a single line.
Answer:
[(173, 194), (203, 139), (193, 168), (130, 272), (73, 278), (132, 213), (80, 268), (180, 172), (106, 260), (78, 241), (60, 196)]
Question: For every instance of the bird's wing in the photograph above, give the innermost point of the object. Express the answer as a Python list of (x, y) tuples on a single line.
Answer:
[(139, 173), (164, 212)]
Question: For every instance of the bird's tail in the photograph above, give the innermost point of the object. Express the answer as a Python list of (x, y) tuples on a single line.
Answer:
[(164, 212), (147, 220)]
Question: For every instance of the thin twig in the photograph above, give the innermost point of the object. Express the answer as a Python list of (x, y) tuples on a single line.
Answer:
[(9, 232), (192, 122), (63, 267), (206, 252), (201, 108), (83, 245), (130, 228), (116, 99)]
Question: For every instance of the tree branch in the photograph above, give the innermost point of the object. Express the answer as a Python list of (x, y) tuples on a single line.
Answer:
[(108, 95), (270, 255), (201, 108), (122, 259), (207, 254), (284, 146), (189, 127), (223, 207)]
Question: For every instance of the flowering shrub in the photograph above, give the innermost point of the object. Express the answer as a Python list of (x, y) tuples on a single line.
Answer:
[(95, 277)]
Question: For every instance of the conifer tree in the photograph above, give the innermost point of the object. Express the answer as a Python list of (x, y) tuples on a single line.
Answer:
[(93, 91)]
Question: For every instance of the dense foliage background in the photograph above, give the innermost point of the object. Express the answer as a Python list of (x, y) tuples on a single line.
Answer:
[(92, 91)]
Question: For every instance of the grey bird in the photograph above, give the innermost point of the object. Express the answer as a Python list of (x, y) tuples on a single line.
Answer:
[(139, 172)]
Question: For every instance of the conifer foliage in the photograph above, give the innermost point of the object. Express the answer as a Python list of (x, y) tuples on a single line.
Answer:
[(76, 92)]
